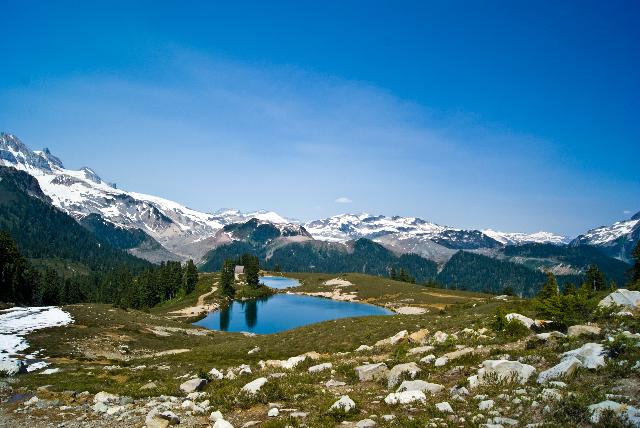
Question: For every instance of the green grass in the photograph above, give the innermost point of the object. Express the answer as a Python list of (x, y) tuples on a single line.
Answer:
[(84, 349), (383, 291)]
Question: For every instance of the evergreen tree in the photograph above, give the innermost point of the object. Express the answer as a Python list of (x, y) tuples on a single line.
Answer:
[(17, 284), (251, 270), (190, 277), (570, 289), (549, 289), (50, 288), (595, 279), (392, 273), (227, 278), (635, 275)]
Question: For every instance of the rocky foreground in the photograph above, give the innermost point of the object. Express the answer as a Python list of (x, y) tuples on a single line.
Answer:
[(469, 376)]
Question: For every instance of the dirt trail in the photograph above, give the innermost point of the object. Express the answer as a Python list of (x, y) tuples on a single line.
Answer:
[(200, 308)]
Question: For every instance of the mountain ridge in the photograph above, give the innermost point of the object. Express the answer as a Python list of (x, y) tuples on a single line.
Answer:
[(184, 233)]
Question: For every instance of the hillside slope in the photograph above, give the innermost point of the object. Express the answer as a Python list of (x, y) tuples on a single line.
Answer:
[(43, 232)]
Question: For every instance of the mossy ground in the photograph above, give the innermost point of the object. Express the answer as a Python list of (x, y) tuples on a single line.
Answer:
[(86, 350)]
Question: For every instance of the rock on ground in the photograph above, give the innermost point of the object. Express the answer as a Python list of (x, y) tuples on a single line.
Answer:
[(405, 397), (372, 372), (255, 385), (444, 407), (579, 330), (528, 322), (395, 374), (485, 405), (419, 336), (410, 310), (320, 367), (193, 385), (502, 369), (221, 423), (632, 414), (420, 350), (393, 340), (440, 336), (366, 423), (345, 404), (563, 369), (420, 385), (591, 355), (622, 297)]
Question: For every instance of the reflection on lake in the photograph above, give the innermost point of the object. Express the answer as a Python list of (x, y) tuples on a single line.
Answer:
[(279, 282), (283, 312)]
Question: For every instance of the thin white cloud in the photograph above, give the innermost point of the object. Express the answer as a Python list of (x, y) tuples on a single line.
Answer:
[(626, 212), (343, 200)]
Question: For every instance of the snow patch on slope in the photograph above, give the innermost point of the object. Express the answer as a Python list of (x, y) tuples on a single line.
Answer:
[(17, 322)]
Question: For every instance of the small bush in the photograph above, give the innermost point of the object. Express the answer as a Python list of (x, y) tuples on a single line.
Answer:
[(620, 346), (513, 329)]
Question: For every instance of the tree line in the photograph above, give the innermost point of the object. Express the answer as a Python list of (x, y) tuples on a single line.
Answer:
[(21, 283), (578, 303)]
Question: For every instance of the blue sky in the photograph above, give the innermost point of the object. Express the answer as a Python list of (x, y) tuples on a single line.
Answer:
[(518, 116)]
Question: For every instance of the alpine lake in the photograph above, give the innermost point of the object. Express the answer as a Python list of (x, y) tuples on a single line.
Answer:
[(283, 311)]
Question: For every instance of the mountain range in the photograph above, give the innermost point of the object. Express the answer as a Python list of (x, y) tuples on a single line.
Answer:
[(157, 229)]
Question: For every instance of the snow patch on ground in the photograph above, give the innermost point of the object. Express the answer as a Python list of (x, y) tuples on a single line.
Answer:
[(17, 322)]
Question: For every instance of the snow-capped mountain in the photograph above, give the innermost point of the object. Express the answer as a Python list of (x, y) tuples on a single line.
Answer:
[(187, 233), (517, 238), (345, 227), (415, 235), (181, 230), (616, 240)]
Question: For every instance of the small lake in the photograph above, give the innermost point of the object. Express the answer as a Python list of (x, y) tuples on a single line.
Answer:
[(283, 312), (279, 282)]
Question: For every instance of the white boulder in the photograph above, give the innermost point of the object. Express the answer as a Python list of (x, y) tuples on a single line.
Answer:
[(420, 385), (420, 350), (428, 359), (216, 374), (444, 407), (372, 372), (405, 397), (441, 361), (366, 423), (550, 335), (221, 423), (502, 370), (591, 355), (193, 385), (622, 297), (528, 322), (396, 338), (440, 336), (255, 385), (485, 405), (344, 404), (565, 368), (105, 397), (320, 367), (395, 374), (631, 413)]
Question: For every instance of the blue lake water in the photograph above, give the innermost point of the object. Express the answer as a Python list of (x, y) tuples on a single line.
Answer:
[(279, 282), (283, 312)]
